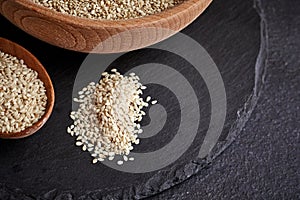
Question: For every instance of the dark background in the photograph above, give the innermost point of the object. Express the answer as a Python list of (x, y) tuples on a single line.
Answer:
[(254, 47), (263, 162)]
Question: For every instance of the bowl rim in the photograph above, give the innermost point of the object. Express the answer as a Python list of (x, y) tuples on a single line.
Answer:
[(165, 15), (50, 101)]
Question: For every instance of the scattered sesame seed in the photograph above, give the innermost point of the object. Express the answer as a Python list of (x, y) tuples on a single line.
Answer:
[(120, 162), (125, 158), (106, 122), (79, 138), (111, 158), (78, 143), (148, 98), (154, 102), (137, 141)]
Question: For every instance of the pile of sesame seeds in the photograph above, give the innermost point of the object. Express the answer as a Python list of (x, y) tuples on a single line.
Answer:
[(22, 95), (107, 122), (108, 9)]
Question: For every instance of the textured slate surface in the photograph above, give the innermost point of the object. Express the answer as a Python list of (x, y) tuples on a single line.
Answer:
[(262, 162)]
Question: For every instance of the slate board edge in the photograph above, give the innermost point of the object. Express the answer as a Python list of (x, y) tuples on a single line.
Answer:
[(188, 170)]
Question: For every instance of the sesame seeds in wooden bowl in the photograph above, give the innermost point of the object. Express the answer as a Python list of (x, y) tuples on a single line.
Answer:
[(26, 92), (102, 34)]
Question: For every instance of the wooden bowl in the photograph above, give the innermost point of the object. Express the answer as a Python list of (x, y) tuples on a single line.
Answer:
[(84, 35), (16, 50)]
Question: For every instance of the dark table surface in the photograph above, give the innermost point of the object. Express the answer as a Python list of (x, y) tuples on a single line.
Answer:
[(256, 46)]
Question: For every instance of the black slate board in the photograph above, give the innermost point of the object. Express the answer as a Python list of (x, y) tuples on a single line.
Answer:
[(48, 166), (263, 162)]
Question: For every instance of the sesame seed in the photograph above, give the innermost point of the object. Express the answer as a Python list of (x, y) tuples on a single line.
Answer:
[(110, 10), (78, 143), (125, 158), (154, 102), (131, 159), (110, 158), (120, 162), (137, 141), (106, 121), (148, 98), (111, 153), (23, 97), (79, 138)]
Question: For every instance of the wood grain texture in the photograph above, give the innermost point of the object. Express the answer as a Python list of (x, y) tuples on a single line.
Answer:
[(16, 50), (100, 36)]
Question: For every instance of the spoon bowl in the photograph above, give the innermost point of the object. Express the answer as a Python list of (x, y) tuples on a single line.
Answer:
[(98, 35), (32, 62)]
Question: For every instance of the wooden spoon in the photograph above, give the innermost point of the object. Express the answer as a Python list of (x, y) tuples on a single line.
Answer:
[(100, 36), (16, 50)]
